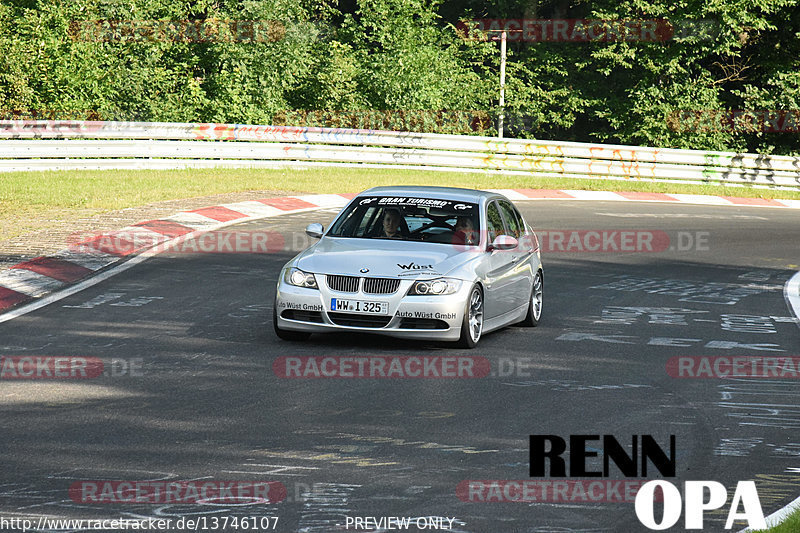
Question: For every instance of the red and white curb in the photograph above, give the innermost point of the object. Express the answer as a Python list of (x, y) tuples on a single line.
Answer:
[(700, 199), (30, 281)]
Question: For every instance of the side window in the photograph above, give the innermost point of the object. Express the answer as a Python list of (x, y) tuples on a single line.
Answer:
[(366, 220), (522, 228), (494, 221), (513, 224)]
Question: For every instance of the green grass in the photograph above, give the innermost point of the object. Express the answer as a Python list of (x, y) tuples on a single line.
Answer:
[(116, 189), (26, 197), (790, 525)]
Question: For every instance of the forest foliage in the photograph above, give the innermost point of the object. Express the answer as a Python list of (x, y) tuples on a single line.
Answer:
[(409, 64)]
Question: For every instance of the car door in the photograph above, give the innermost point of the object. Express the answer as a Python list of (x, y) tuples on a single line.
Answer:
[(500, 274), (522, 276)]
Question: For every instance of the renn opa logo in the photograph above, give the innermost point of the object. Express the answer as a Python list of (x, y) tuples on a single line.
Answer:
[(646, 449)]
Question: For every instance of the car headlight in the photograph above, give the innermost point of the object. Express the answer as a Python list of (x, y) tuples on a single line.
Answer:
[(298, 278), (434, 287)]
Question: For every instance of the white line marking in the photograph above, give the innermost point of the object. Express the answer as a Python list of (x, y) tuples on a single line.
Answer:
[(779, 515), (130, 263), (594, 195), (252, 208), (192, 220), (702, 199), (93, 260), (680, 215), (69, 291), (791, 291), (509, 193), (324, 200)]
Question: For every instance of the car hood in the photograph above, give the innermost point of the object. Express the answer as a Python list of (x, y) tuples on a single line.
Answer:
[(383, 257)]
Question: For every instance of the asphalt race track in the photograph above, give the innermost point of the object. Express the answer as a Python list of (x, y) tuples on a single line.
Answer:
[(189, 393)]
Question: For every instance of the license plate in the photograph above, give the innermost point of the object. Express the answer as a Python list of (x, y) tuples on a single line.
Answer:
[(359, 306)]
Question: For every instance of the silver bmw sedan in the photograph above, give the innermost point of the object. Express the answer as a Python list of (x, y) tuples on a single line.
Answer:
[(433, 263)]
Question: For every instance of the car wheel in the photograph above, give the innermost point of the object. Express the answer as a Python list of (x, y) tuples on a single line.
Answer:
[(472, 323), (534, 315), (286, 334)]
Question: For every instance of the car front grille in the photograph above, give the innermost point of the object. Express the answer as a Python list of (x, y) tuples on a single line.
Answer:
[(361, 321), (380, 285), (371, 285), (342, 283)]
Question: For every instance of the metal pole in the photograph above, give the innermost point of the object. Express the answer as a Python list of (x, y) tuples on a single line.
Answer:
[(502, 84)]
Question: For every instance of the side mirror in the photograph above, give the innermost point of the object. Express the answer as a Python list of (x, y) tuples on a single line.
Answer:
[(504, 242), (315, 230)]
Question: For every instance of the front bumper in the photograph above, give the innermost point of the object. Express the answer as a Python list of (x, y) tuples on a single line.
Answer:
[(410, 317)]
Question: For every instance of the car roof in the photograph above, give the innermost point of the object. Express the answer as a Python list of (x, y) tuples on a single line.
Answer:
[(424, 191)]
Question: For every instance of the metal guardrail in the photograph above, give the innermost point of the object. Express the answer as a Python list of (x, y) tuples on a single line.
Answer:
[(53, 145)]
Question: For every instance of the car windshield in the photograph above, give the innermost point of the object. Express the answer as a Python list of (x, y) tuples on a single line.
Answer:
[(410, 219)]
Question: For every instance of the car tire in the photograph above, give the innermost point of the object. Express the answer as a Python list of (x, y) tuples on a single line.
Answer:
[(286, 334), (534, 315), (472, 323)]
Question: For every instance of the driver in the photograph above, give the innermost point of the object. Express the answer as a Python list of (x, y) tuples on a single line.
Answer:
[(392, 219), (464, 230)]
